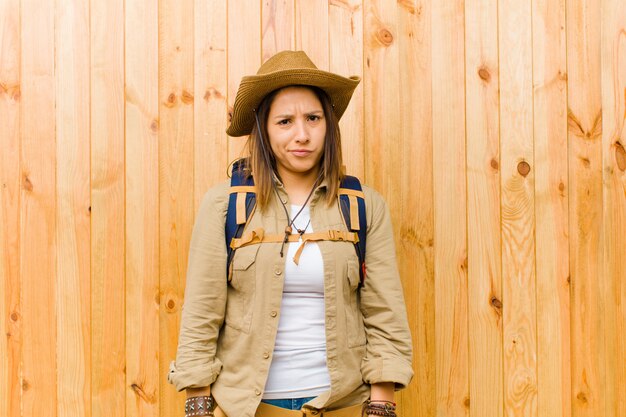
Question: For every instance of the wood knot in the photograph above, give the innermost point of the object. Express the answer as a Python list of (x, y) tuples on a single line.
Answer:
[(212, 93), (384, 36), (138, 390), (464, 264), (170, 305), (14, 316), (171, 100), (523, 168), (154, 126), (25, 385), (26, 184), (484, 74), (496, 303), (620, 156), (561, 186), (582, 397), (466, 402), (187, 97), (494, 164)]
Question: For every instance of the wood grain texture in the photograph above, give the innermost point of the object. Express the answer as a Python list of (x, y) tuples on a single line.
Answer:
[(483, 209), (517, 209), (210, 85), (345, 25), (277, 27), (415, 241), (495, 132), (176, 179), (585, 208), (38, 229), (10, 325), (312, 31), (73, 296), (108, 295), (142, 208), (450, 209), (243, 56), (551, 208), (613, 60)]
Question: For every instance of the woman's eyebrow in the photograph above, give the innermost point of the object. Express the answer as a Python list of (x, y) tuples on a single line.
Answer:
[(287, 115)]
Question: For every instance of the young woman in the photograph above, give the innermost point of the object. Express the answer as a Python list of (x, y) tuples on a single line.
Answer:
[(288, 326)]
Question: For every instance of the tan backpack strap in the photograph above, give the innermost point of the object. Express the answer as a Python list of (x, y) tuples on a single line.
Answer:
[(354, 213), (332, 235), (259, 236), (348, 191), (354, 205), (242, 189), (240, 205)]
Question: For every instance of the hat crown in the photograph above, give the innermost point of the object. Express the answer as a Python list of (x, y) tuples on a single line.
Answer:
[(286, 60)]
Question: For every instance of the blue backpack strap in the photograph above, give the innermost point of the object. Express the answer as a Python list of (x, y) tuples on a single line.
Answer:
[(352, 203), (241, 204)]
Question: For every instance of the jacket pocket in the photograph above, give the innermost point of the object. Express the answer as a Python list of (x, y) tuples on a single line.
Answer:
[(241, 288), (354, 317)]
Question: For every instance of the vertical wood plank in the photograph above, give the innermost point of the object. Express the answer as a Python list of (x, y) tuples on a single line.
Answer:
[(450, 207), (243, 54), (37, 211), (210, 85), (585, 207), (382, 105), (345, 24), (73, 306), (278, 27), (415, 241), (312, 31), (107, 210), (613, 60), (176, 155), (142, 208), (483, 208), (518, 222), (10, 323), (551, 208)]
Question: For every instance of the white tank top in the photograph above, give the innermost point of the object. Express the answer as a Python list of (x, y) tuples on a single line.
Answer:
[(298, 367)]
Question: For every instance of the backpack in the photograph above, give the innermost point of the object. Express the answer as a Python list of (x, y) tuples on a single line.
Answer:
[(242, 203)]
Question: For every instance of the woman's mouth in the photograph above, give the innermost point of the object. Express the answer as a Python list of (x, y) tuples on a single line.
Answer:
[(301, 152)]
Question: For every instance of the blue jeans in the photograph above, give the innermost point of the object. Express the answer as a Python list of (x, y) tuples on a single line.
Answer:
[(289, 403)]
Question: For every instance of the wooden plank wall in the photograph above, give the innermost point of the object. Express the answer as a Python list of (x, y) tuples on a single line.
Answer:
[(495, 130)]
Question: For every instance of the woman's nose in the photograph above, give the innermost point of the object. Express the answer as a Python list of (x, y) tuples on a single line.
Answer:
[(302, 133)]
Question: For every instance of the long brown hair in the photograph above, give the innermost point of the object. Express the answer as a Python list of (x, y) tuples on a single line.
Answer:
[(330, 165)]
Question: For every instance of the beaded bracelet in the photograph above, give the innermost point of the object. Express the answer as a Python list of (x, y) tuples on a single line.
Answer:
[(199, 406)]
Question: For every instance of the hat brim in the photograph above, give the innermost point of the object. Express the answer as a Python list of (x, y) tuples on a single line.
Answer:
[(254, 88)]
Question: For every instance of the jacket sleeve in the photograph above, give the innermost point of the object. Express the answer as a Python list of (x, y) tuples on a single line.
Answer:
[(196, 365), (389, 348)]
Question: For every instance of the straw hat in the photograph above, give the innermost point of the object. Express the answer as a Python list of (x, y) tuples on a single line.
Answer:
[(284, 69)]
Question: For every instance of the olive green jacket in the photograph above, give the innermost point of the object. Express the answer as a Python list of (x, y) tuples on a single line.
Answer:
[(228, 329)]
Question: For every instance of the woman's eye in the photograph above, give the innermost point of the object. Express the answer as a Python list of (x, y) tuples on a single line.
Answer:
[(314, 118), (283, 122)]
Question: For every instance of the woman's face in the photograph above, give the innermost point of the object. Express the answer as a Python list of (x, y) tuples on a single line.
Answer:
[(296, 127)]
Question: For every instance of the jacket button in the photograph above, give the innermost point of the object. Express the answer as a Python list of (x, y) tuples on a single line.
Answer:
[(273, 314), (277, 271), (266, 355), (257, 391)]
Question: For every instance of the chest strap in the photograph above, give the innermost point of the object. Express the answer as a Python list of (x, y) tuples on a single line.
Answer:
[(258, 236)]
